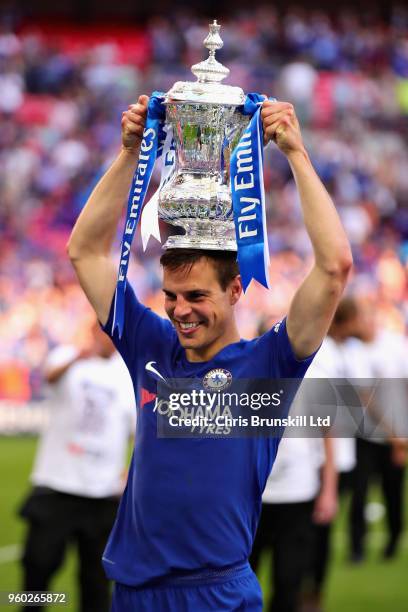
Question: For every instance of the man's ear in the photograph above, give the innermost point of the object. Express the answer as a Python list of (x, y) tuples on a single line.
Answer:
[(235, 289)]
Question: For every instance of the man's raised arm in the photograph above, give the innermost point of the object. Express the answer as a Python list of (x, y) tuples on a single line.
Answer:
[(315, 301), (91, 240)]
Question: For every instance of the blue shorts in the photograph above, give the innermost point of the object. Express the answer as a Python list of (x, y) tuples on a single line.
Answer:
[(238, 591)]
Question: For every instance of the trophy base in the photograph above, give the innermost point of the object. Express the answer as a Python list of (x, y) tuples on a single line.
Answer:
[(214, 235), (201, 242)]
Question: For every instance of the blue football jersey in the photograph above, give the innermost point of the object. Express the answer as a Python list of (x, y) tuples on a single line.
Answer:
[(190, 504)]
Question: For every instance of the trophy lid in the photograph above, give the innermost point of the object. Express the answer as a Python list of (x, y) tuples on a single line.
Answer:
[(208, 88)]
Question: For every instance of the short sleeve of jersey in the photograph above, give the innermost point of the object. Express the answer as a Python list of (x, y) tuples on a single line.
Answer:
[(284, 362), (59, 357), (143, 330)]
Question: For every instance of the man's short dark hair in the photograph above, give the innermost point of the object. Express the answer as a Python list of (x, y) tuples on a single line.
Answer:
[(224, 262), (346, 311)]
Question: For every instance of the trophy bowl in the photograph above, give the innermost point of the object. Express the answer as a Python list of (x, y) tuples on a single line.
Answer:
[(207, 126)]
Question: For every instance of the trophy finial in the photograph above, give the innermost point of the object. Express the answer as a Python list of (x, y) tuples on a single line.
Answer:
[(213, 42), (208, 89), (211, 71)]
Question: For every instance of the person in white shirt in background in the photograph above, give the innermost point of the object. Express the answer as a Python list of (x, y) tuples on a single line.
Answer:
[(336, 359), (80, 466), (382, 446), (301, 490)]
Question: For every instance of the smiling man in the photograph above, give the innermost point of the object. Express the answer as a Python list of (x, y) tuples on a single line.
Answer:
[(201, 288), (188, 517)]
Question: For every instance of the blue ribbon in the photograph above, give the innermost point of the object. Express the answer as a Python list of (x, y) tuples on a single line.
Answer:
[(248, 198), (151, 147)]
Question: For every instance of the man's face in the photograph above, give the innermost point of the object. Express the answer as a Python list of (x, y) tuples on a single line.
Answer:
[(366, 322), (349, 327), (200, 310)]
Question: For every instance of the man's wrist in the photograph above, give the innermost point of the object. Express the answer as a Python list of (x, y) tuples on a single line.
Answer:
[(297, 155), (130, 152)]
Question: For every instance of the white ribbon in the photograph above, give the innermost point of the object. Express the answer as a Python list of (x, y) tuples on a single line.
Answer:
[(149, 223)]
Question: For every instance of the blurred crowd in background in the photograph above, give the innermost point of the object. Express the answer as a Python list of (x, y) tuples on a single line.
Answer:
[(62, 95)]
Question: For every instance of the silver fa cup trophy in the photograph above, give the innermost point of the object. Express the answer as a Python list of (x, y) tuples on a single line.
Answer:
[(206, 128)]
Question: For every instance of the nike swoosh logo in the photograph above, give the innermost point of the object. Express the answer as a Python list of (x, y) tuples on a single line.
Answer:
[(149, 367)]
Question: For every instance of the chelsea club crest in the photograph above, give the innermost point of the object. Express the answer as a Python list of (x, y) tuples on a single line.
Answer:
[(217, 379)]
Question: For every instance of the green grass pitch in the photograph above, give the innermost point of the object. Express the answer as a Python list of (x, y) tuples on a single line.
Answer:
[(374, 586)]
